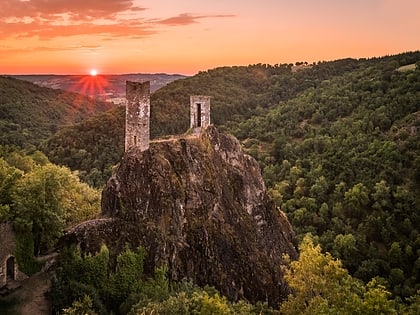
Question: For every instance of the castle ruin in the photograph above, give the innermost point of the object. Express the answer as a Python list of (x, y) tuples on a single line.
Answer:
[(137, 115), (199, 112), (137, 118), (9, 271)]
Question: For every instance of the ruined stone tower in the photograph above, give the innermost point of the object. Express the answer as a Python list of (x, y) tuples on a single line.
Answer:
[(137, 115), (199, 112)]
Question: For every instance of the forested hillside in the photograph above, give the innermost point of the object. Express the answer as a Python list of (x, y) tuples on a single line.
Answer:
[(92, 147), (343, 161), (30, 114), (337, 141)]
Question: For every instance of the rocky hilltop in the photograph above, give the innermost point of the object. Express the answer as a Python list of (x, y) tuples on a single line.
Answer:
[(198, 205)]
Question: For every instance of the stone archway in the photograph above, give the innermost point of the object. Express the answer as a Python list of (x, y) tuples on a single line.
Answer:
[(10, 269)]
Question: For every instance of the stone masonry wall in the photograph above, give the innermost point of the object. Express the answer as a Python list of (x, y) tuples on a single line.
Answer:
[(137, 120), (199, 112), (7, 247)]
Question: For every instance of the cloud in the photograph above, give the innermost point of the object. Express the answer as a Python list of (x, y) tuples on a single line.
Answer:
[(48, 31), (6, 50), (82, 9), (49, 19), (187, 18), (46, 19)]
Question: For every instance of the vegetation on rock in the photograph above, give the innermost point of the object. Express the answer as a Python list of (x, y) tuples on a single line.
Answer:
[(96, 285)]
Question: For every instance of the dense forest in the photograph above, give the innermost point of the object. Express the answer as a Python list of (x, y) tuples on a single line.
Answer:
[(30, 114), (338, 145)]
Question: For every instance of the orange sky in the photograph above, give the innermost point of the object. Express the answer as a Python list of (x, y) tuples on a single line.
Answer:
[(186, 36)]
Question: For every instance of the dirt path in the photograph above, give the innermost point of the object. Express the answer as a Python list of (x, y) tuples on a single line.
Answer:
[(31, 298)]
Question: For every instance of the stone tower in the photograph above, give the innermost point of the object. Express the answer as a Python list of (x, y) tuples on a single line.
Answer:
[(199, 112), (137, 115)]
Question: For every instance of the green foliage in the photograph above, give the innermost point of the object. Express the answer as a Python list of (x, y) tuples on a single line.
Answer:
[(126, 279), (341, 160), (48, 199), (9, 176), (198, 303), (92, 147), (24, 254), (79, 307), (190, 299), (92, 275), (30, 113), (413, 307), (321, 285), (37, 206), (122, 289), (41, 200)]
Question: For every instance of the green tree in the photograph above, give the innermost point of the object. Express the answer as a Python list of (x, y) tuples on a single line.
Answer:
[(48, 199), (356, 199), (81, 307), (381, 196), (318, 281), (345, 247), (127, 278), (9, 176), (320, 285), (38, 205), (376, 300), (195, 300)]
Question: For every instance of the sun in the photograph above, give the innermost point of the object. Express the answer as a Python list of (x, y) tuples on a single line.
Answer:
[(93, 72)]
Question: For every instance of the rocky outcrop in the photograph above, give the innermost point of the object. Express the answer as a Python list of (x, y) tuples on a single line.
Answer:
[(198, 205)]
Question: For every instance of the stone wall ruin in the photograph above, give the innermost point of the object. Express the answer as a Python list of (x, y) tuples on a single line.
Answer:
[(137, 118), (8, 265), (199, 112)]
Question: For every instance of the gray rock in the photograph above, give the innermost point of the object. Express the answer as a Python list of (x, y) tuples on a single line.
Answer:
[(198, 205)]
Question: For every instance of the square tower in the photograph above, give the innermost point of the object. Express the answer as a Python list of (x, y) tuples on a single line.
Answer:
[(137, 115), (199, 112)]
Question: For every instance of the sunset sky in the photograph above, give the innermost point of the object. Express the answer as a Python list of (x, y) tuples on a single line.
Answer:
[(186, 36)]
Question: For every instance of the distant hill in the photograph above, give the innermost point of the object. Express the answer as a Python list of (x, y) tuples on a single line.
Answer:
[(30, 113), (104, 87)]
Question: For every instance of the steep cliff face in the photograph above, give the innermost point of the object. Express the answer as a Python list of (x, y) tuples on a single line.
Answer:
[(198, 205)]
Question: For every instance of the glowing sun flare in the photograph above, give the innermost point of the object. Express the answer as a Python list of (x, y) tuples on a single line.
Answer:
[(93, 72)]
